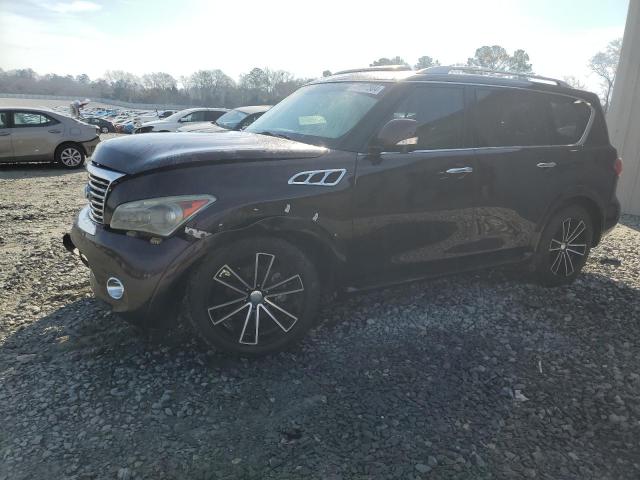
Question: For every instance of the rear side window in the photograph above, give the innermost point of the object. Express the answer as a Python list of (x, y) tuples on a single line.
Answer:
[(198, 116), (439, 112), (213, 115), (3, 120), (570, 118), (505, 117), (31, 119)]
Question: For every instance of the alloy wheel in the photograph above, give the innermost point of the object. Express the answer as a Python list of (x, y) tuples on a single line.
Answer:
[(71, 157), (257, 302), (568, 247)]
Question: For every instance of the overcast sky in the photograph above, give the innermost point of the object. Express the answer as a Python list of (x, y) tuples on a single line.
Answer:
[(303, 37)]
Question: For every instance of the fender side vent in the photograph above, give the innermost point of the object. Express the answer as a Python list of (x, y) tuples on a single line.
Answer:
[(321, 178)]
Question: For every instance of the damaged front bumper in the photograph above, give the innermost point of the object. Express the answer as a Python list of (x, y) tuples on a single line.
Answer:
[(148, 272)]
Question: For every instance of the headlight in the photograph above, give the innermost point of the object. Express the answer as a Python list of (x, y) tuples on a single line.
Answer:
[(160, 216)]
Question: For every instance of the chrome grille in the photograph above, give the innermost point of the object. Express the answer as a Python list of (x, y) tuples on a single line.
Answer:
[(100, 181)]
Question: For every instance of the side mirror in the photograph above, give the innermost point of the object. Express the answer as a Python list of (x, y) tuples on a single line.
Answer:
[(395, 131)]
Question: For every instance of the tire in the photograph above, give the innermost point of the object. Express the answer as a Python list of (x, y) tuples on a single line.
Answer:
[(104, 129), (232, 310), (70, 155), (564, 246)]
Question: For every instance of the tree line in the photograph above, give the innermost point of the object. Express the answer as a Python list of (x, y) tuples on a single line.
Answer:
[(202, 88), (258, 86)]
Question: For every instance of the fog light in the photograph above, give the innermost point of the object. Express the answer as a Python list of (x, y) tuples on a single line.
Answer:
[(115, 288)]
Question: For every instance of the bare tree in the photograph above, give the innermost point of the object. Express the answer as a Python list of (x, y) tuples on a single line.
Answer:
[(604, 64), (159, 81)]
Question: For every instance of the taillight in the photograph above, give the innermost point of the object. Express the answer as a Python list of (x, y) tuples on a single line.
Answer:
[(618, 166)]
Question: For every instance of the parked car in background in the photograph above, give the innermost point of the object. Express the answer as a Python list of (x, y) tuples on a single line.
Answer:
[(42, 135), (236, 119), (104, 125), (129, 126), (354, 181), (181, 118)]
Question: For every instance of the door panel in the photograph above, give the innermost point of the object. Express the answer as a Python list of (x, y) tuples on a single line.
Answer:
[(412, 208), (409, 211), (527, 161), (514, 193), (6, 149), (35, 136)]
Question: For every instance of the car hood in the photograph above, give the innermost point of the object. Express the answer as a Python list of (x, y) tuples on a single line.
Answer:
[(148, 151)]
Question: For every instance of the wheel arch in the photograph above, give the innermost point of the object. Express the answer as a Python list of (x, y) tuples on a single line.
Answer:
[(326, 252), (588, 202), (69, 142)]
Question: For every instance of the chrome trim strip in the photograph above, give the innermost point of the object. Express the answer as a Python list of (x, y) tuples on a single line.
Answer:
[(459, 170), (102, 173)]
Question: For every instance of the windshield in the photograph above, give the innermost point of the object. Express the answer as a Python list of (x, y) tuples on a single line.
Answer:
[(320, 113), (231, 119)]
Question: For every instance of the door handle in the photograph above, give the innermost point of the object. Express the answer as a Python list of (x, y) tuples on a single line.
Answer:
[(546, 165), (459, 170), (4, 134), (54, 131)]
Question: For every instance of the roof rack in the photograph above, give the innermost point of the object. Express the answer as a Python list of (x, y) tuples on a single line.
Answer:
[(382, 68), (488, 72)]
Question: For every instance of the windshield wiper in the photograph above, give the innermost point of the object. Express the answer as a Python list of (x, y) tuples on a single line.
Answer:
[(275, 134)]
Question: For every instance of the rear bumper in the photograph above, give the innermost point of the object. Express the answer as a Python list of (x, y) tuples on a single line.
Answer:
[(611, 216), (148, 272), (90, 145)]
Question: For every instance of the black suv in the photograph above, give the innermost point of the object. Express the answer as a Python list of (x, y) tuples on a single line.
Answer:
[(361, 179)]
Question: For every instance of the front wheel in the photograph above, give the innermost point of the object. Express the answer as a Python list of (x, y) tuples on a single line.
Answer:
[(70, 156), (564, 246), (104, 129), (253, 297)]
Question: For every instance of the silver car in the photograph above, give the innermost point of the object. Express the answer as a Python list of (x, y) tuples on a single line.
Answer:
[(41, 135)]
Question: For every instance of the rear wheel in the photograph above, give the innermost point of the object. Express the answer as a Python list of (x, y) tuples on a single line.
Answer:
[(564, 246), (104, 129), (253, 297), (70, 155)]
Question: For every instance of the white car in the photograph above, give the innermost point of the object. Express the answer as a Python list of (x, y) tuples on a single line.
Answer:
[(182, 118)]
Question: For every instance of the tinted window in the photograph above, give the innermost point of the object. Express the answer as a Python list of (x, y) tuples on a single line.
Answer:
[(195, 117), (212, 116), (31, 119), (570, 118), (504, 117), (439, 112), (3, 119)]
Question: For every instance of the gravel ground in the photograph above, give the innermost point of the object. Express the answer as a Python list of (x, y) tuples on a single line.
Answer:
[(470, 377)]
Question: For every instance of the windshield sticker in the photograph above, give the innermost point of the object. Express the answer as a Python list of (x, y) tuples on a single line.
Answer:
[(311, 120), (370, 88)]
